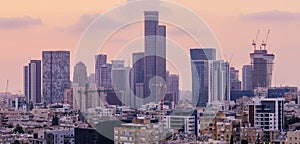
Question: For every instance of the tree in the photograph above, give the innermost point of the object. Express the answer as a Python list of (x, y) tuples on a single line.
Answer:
[(244, 141), (231, 140), (55, 120), (18, 129), (10, 126), (297, 128), (16, 142)]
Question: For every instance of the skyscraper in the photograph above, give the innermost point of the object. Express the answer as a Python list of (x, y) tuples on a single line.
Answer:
[(173, 88), (247, 77), (105, 79), (56, 75), (210, 77), (120, 82), (220, 81), (262, 67), (80, 74), (155, 54), (101, 60), (137, 71), (235, 83), (32, 81)]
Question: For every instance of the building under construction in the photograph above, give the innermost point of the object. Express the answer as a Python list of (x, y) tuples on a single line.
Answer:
[(262, 65)]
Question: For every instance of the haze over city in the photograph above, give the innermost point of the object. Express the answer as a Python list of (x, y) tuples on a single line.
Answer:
[(31, 26)]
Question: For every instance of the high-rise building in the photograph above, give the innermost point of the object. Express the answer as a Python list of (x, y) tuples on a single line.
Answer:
[(101, 60), (219, 81), (120, 82), (155, 54), (56, 75), (137, 71), (267, 113), (32, 81), (105, 79), (92, 78), (172, 88), (262, 67), (247, 77), (80, 74), (235, 83), (210, 77)]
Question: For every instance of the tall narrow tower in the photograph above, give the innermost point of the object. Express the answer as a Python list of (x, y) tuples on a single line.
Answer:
[(32, 81), (155, 53)]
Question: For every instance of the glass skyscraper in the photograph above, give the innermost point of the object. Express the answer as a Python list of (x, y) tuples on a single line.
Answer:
[(210, 77), (101, 60), (155, 54)]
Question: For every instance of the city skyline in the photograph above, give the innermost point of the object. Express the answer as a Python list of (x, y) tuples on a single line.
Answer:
[(150, 71), (247, 15)]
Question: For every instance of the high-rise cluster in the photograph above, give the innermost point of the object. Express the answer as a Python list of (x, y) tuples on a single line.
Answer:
[(210, 77)]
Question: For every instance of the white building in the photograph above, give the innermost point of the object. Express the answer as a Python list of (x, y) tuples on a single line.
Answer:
[(267, 113), (59, 136), (184, 124)]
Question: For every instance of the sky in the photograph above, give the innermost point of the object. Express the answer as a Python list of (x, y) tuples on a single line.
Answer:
[(29, 27)]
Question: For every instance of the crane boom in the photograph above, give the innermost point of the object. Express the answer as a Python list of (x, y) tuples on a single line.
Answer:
[(254, 41), (264, 42)]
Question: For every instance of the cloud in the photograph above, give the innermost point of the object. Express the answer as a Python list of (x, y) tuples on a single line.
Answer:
[(274, 15), (104, 22), (18, 22), (83, 22)]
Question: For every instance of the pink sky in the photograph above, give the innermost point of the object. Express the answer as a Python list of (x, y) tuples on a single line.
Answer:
[(30, 26)]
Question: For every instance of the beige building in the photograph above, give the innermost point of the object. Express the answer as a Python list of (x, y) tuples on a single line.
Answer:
[(141, 131), (293, 137), (221, 128), (251, 134)]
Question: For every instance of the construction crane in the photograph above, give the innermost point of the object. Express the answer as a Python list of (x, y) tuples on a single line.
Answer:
[(264, 42), (254, 41), (6, 92)]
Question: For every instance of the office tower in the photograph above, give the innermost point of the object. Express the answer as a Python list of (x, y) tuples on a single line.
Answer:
[(26, 81), (120, 82), (137, 72), (267, 113), (247, 77), (262, 67), (220, 81), (92, 78), (155, 54), (56, 75), (105, 79), (172, 88), (200, 75), (210, 77), (100, 61), (32, 81), (235, 83), (80, 74)]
